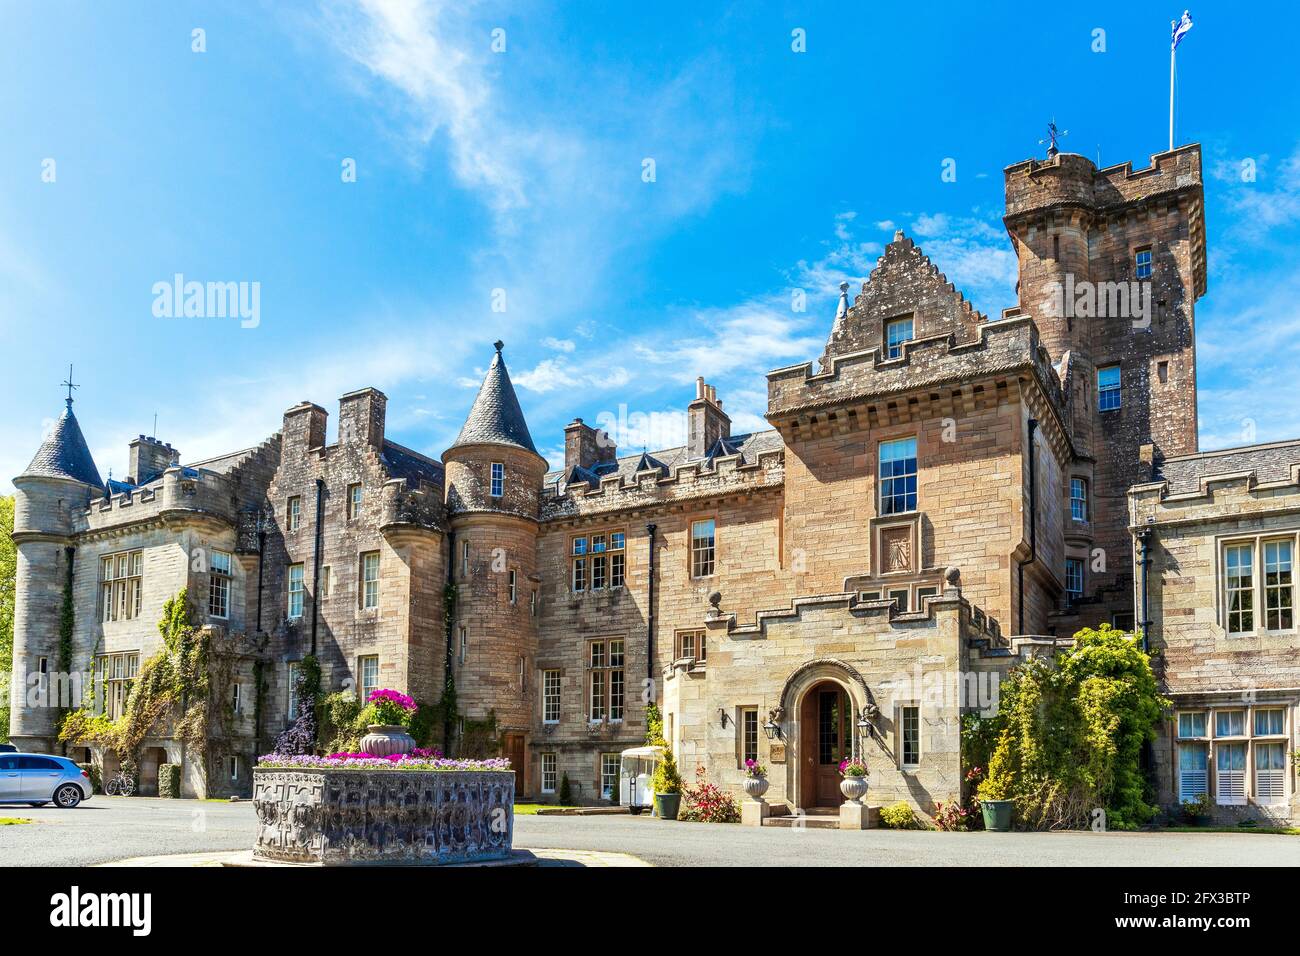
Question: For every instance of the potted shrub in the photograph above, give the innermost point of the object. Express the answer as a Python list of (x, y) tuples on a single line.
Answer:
[(1197, 812), (995, 804), (755, 779), (386, 715), (667, 784), (854, 785)]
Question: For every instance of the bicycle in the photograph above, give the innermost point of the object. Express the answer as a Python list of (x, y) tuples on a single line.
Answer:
[(120, 786)]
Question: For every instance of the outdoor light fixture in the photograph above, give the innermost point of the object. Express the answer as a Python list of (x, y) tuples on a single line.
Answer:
[(722, 713), (772, 729)]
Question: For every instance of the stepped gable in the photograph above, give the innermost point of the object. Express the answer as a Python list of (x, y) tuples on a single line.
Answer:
[(903, 284)]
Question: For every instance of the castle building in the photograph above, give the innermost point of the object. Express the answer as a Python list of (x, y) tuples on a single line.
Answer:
[(940, 496)]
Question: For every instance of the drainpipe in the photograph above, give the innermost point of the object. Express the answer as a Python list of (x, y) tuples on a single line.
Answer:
[(449, 631), (261, 561), (650, 610), (1033, 528), (315, 560), (1144, 562)]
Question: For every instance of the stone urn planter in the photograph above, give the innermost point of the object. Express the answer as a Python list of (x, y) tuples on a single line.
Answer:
[(756, 787), (854, 788), (384, 740)]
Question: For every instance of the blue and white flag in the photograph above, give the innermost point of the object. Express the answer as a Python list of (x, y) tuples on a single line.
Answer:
[(1181, 28)]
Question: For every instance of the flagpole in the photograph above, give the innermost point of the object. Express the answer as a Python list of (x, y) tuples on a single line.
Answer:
[(1172, 49)]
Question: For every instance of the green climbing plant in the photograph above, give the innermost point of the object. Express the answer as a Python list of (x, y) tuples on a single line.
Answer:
[(1069, 735)]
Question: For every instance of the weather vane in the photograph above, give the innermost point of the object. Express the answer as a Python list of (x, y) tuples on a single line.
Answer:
[(69, 386), (1053, 134)]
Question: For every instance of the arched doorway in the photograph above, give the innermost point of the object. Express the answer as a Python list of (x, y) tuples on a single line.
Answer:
[(826, 734)]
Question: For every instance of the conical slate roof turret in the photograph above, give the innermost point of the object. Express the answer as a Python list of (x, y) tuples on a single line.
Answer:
[(64, 454), (496, 418)]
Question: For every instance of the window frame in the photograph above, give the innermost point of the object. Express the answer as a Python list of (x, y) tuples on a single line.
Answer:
[(365, 583), (293, 513), (698, 651), (1073, 564), (894, 348), (606, 680), (354, 500), (497, 479), (552, 693), (1139, 264), (299, 592), (887, 501), (1267, 603), (363, 661), (553, 772), (699, 566), (1079, 502), (906, 731), (598, 555), (219, 584), (1110, 397), (121, 585), (747, 733)]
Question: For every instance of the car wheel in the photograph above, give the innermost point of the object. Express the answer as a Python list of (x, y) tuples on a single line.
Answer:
[(67, 796)]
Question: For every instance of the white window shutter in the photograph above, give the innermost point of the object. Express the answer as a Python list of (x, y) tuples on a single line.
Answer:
[(1191, 784), (1232, 788), (1270, 786)]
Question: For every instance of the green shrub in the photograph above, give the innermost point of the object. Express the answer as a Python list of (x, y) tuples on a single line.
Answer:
[(898, 816), (1070, 734), (169, 780), (666, 779), (340, 725), (96, 784), (566, 792)]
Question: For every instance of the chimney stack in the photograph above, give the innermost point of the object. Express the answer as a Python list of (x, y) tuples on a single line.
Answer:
[(586, 447), (706, 421), (149, 458)]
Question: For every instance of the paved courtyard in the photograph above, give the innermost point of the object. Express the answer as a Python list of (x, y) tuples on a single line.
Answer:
[(108, 829)]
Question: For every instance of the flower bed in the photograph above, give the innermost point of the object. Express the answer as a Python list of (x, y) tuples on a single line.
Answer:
[(415, 760)]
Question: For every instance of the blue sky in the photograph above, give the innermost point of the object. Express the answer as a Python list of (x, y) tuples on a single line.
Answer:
[(522, 171)]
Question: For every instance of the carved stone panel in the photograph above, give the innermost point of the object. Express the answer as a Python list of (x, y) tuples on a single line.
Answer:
[(383, 816)]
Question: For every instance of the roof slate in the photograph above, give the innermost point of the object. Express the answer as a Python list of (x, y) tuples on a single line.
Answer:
[(1271, 462), (64, 454), (496, 418)]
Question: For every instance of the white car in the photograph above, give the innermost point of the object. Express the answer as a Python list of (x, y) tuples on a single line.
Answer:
[(39, 778)]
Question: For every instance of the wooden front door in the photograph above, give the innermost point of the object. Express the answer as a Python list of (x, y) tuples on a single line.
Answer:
[(517, 755), (826, 738)]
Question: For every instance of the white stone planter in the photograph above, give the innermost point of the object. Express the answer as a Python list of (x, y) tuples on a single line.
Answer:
[(384, 740), (854, 788), (756, 787)]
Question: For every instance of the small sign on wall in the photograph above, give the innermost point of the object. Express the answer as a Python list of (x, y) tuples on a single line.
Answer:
[(776, 753)]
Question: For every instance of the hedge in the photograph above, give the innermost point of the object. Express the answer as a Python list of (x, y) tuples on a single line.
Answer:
[(169, 780)]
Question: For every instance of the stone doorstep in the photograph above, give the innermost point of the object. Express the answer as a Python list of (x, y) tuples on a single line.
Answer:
[(821, 818)]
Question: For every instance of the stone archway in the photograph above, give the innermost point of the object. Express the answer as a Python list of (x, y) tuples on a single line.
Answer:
[(821, 691)]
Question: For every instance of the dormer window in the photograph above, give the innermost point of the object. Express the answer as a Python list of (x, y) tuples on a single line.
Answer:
[(896, 333)]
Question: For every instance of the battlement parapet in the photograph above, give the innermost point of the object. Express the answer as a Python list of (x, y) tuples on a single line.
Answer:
[(1069, 179)]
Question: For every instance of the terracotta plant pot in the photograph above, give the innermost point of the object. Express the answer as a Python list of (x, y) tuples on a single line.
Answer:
[(854, 788), (667, 805), (384, 740), (756, 787)]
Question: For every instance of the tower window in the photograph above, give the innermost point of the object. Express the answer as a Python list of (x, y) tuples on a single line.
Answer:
[(219, 584), (1142, 266), (1162, 371), (293, 513), (896, 333), (370, 579), (354, 502), (1108, 392), (498, 479), (703, 548), (512, 585), (1078, 499), (1074, 578)]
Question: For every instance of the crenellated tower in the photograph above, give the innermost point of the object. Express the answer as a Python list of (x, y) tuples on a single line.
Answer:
[(1111, 263), (494, 482), (50, 500)]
